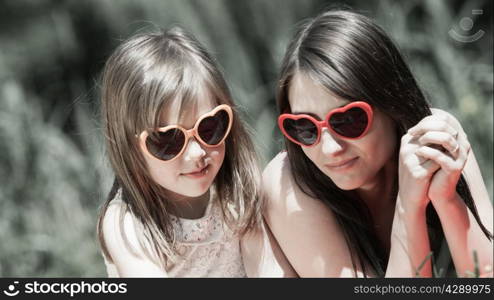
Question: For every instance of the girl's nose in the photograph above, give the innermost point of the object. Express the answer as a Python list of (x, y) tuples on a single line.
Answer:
[(329, 145), (194, 150)]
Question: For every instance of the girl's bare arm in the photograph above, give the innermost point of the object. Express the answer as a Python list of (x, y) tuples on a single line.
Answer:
[(129, 263)]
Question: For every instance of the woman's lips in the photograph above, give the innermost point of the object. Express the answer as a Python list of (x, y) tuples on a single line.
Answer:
[(343, 165), (198, 173)]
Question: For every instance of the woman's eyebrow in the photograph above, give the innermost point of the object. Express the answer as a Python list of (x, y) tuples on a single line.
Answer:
[(314, 115), (307, 113)]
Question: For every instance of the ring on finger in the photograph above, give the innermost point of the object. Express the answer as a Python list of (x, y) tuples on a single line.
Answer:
[(456, 148)]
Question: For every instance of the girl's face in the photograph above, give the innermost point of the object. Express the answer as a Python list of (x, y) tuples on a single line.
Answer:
[(351, 164), (192, 173)]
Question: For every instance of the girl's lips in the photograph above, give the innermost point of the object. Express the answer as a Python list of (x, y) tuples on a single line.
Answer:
[(199, 173), (343, 165)]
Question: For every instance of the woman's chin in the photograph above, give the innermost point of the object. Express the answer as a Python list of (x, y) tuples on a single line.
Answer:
[(347, 185)]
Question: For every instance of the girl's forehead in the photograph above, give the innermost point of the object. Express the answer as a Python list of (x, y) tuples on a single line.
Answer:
[(186, 112), (306, 95)]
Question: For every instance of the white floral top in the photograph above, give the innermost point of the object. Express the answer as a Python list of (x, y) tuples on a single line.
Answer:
[(206, 247)]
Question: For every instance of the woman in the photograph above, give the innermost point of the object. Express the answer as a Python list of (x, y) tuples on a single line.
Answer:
[(371, 182)]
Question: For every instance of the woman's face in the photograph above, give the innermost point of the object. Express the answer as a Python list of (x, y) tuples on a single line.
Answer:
[(192, 173), (351, 164)]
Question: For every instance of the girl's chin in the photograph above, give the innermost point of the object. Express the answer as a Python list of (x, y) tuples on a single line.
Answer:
[(196, 193), (189, 190), (196, 190)]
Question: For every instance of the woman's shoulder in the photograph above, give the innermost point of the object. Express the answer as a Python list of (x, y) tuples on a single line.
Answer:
[(278, 169), (277, 177), (305, 228), (281, 190)]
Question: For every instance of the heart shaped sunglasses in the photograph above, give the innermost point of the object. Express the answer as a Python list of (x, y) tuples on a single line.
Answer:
[(169, 142), (351, 121)]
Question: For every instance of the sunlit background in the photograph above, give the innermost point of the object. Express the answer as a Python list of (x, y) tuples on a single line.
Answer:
[(53, 171)]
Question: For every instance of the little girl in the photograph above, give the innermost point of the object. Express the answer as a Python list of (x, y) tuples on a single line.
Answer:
[(186, 178)]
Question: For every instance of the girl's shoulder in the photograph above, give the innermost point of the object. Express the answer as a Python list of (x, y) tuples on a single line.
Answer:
[(119, 228), (128, 258)]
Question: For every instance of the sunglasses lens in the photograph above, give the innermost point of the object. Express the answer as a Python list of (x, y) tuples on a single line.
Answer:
[(166, 145), (351, 123), (213, 129), (302, 130)]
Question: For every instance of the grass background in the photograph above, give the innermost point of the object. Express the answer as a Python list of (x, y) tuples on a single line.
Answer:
[(53, 173)]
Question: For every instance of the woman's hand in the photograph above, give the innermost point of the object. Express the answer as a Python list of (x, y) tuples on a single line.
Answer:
[(414, 174), (409, 233), (442, 141)]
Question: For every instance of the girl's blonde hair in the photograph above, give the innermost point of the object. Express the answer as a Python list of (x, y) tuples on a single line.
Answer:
[(141, 78)]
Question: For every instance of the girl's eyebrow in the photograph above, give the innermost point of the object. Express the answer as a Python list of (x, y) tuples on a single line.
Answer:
[(179, 123)]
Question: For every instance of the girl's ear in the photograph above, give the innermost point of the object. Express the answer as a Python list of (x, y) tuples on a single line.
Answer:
[(141, 142)]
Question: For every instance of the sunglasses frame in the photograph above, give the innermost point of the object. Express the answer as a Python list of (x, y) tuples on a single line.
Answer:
[(189, 133), (320, 125)]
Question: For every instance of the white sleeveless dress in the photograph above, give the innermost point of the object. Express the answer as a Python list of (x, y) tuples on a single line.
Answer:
[(206, 247)]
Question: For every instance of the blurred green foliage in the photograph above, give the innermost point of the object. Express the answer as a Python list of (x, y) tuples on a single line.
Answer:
[(52, 165)]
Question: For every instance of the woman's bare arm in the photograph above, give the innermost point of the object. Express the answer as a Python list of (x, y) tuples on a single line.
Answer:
[(263, 256), (462, 231), (410, 246), (313, 242), (304, 227)]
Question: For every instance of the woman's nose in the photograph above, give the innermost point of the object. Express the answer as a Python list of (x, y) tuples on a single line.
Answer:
[(329, 145), (194, 150)]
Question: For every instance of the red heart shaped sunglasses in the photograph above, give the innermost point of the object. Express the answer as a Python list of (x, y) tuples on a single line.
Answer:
[(351, 121), (169, 142)]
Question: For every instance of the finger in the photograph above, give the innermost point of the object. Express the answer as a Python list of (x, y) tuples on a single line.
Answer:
[(449, 118), (429, 165), (463, 151), (406, 138), (463, 141), (425, 169), (462, 137), (421, 166), (421, 172), (446, 140), (446, 162), (433, 117), (432, 123)]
